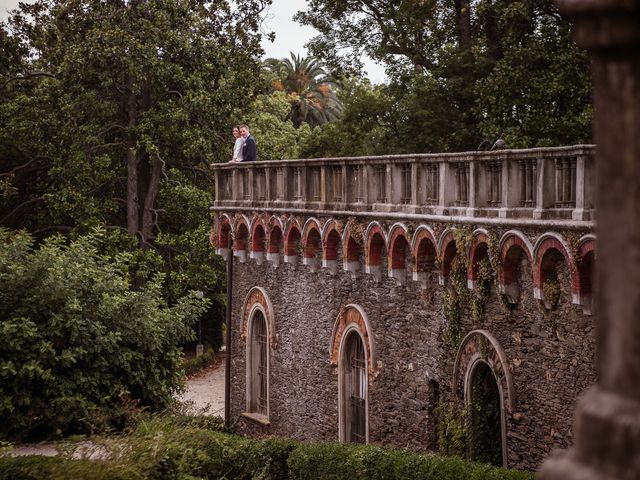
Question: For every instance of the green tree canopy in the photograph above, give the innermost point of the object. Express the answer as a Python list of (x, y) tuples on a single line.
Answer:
[(309, 90), (99, 100), (463, 72)]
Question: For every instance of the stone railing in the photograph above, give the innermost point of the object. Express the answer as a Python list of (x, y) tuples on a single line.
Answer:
[(539, 183)]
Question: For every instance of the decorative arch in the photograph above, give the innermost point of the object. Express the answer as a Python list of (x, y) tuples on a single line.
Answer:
[(332, 244), (513, 245), (480, 345), (544, 246), (258, 241), (376, 244), (423, 247), (238, 220), (221, 237), (241, 237), (352, 240), (292, 237), (583, 292), (399, 251), (353, 316), (257, 298), (447, 251), (478, 250), (311, 243), (274, 243)]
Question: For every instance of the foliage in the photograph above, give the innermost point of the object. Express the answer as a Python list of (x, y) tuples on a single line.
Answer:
[(362, 129), (482, 290), (453, 420), (309, 90), (161, 449), (275, 133), (82, 349), (123, 92), (111, 113), (462, 73), (551, 291), (195, 364), (485, 424)]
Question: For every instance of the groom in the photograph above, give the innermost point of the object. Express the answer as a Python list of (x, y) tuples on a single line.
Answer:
[(249, 149)]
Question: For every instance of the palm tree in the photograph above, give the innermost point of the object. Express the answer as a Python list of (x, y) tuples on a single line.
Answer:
[(309, 89)]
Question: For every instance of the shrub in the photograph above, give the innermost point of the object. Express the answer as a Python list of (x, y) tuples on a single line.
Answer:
[(81, 350), (57, 468), (195, 364), (178, 448)]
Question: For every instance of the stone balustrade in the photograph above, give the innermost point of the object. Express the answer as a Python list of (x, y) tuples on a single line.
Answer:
[(539, 184)]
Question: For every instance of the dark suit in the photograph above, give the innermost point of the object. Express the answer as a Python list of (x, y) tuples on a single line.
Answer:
[(249, 150)]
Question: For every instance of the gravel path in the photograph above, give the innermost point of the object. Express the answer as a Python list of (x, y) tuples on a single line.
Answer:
[(205, 391)]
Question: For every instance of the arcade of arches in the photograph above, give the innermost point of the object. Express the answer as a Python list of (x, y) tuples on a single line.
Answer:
[(353, 319)]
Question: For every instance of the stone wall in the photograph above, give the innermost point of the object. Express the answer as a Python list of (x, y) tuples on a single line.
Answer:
[(549, 354)]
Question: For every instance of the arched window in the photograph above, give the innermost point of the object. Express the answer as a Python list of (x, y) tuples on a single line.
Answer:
[(354, 389), (258, 366)]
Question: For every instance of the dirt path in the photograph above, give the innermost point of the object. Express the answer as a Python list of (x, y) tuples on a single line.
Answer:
[(205, 391)]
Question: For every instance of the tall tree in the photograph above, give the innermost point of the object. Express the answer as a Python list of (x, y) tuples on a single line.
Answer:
[(488, 68), (101, 99), (309, 89)]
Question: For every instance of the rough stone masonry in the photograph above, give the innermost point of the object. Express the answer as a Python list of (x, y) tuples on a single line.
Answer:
[(521, 284)]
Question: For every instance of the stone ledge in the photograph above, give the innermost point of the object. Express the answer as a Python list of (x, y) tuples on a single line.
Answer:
[(257, 417)]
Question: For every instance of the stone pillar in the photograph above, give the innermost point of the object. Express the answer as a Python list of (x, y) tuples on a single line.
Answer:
[(607, 424)]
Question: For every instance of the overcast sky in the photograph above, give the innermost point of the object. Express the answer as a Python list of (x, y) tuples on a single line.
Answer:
[(290, 36)]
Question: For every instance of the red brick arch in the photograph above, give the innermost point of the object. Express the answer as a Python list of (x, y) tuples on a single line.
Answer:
[(546, 244), (376, 241), (352, 242), (257, 298), (447, 252), (292, 237), (424, 249), (399, 246), (311, 238), (511, 240), (353, 316), (258, 236), (220, 237), (240, 234), (331, 240), (479, 249)]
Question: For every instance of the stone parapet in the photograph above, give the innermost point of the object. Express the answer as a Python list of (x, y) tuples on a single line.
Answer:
[(537, 184)]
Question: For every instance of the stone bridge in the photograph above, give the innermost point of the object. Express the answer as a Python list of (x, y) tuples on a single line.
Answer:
[(375, 297)]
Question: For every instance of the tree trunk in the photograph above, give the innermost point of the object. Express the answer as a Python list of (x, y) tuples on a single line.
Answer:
[(149, 220), (491, 31), (463, 23), (133, 202)]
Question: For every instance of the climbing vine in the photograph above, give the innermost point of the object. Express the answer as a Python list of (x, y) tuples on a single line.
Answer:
[(551, 291), (482, 290), (573, 241), (453, 419)]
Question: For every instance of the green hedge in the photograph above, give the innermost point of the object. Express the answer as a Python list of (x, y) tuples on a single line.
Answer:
[(192, 447)]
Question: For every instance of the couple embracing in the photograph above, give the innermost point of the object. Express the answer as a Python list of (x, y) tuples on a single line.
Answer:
[(244, 149)]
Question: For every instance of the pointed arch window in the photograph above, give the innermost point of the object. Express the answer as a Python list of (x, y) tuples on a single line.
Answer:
[(354, 390), (258, 366)]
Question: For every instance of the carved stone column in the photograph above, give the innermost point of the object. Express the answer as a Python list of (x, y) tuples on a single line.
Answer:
[(607, 424)]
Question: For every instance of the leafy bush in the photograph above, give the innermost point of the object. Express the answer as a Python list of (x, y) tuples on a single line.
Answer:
[(57, 468), (192, 365), (81, 350), (183, 447)]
